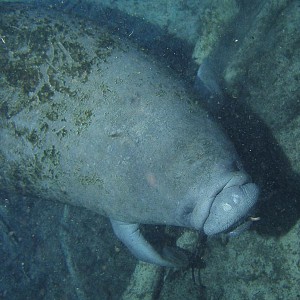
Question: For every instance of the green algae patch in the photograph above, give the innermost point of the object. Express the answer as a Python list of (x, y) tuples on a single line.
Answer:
[(105, 45), (41, 57), (51, 156), (33, 137), (26, 174), (91, 180), (83, 119)]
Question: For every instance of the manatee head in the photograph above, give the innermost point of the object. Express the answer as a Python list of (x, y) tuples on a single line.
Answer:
[(221, 207)]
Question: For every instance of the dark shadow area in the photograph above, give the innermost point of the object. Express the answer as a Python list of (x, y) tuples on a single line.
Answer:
[(37, 248), (279, 206)]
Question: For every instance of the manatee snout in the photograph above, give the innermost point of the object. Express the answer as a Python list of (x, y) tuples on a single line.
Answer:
[(232, 204)]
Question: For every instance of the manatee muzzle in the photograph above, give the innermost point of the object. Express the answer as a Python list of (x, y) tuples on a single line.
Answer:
[(232, 204)]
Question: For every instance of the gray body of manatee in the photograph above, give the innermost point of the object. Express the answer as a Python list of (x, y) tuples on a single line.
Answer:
[(130, 145)]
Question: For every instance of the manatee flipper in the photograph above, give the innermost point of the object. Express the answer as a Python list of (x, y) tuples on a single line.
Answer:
[(207, 84), (131, 236)]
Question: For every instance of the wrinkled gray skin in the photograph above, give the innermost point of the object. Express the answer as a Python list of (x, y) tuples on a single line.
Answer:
[(147, 154)]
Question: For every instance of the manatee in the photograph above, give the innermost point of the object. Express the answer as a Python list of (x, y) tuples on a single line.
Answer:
[(99, 123)]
